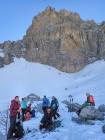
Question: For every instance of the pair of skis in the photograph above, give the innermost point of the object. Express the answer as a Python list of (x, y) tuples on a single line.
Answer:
[(71, 99), (71, 104)]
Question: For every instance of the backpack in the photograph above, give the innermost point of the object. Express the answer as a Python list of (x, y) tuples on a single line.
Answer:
[(45, 102), (55, 104), (91, 100), (33, 113), (19, 131)]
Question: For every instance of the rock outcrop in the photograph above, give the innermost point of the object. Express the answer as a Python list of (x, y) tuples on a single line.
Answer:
[(86, 113), (101, 108), (103, 128), (60, 39), (32, 98), (90, 113)]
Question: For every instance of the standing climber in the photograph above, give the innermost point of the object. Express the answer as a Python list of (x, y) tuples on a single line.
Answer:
[(23, 107), (54, 107), (14, 111), (45, 104)]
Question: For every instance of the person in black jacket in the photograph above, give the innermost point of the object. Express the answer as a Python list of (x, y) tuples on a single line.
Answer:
[(54, 107), (46, 121)]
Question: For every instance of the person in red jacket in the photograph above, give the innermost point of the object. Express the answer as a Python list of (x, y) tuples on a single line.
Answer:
[(14, 111), (90, 99)]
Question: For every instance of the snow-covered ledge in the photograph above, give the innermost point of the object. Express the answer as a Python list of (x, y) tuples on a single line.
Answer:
[(1, 53)]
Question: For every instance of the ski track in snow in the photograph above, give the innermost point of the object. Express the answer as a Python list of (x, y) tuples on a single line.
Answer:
[(22, 78)]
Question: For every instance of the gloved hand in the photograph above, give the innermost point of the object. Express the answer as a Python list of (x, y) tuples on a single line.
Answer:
[(41, 123), (41, 126)]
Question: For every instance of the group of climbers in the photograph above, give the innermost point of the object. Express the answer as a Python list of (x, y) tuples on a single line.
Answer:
[(20, 112), (53, 105), (27, 110), (18, 109), (50, 111)]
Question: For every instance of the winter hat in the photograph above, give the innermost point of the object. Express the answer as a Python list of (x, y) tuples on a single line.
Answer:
[(87, 94), (53, 97), (16, 97)]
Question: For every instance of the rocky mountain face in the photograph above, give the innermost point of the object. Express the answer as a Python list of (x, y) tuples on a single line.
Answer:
[(60, 39)]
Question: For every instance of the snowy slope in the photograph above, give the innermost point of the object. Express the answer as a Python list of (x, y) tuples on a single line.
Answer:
[(22, 78)]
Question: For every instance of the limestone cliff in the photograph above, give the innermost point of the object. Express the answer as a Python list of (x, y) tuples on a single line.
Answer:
[(60, 39)]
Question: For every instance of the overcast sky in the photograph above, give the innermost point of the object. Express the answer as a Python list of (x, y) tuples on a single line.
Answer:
[(16, 15)]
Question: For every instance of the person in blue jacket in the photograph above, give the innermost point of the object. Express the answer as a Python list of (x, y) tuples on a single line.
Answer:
[(23, 107), (45, 104)]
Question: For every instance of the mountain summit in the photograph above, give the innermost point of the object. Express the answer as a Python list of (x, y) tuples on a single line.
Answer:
[(60, 39)]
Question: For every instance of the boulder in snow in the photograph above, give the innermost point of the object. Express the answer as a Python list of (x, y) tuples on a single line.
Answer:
[(75, 107), (99, 115), (79, 121), (101, 108), (66, 102), (32, 98), (90, 113), (103, 128)]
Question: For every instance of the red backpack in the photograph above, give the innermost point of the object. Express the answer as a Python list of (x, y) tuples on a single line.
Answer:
[(91, 99)]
